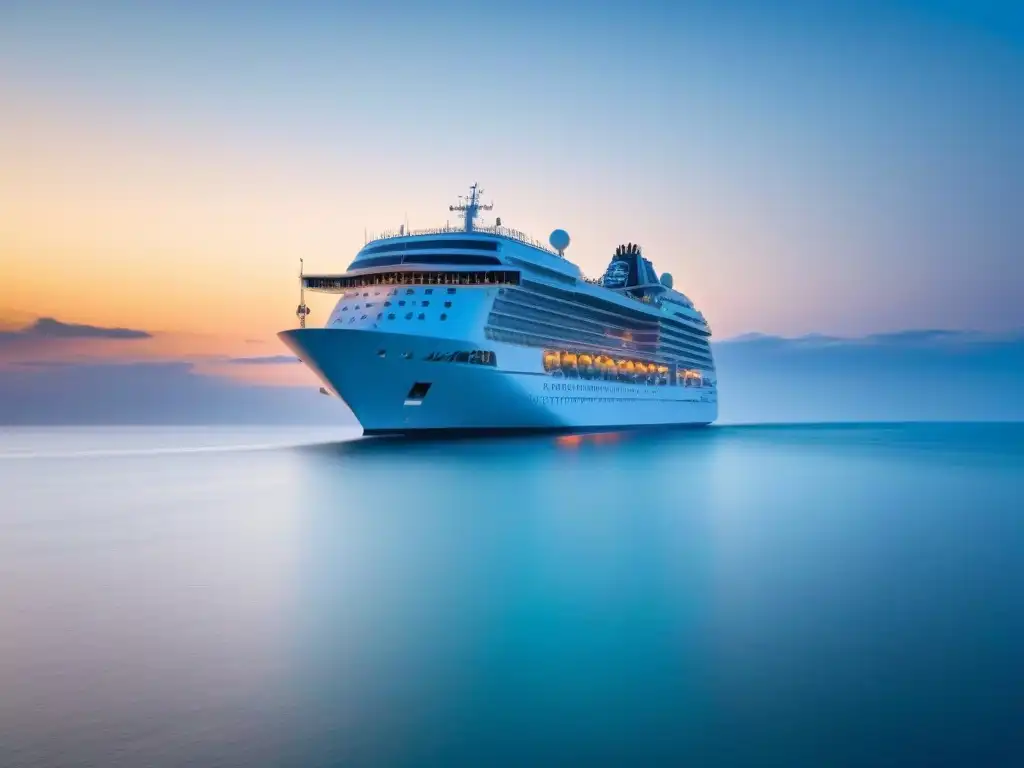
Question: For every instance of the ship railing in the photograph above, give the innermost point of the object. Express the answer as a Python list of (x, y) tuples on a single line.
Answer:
[(511, 234)]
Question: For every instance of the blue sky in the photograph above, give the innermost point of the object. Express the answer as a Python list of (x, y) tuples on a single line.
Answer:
[(843, 169), (852, 168)]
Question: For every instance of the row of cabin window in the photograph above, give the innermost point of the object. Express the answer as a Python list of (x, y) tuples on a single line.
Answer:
[(587, 339), (493, 277), (535, 300), (369, 304), (509, 306), (394, 292), (532, 340), (391, 316), (605, 306), (568, 365), (408, 316)]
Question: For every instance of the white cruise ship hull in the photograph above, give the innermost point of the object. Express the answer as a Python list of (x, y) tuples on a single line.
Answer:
[(376, 374)]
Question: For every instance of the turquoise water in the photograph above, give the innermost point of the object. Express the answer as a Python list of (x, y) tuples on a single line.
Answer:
[(790, 596)]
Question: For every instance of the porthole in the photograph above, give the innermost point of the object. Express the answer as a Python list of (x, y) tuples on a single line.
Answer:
[(451, 290), (380, 315), (382, 353), (447, 305), (425, 303), (363, 317), (429, 291), (408, 315), (444, 316), (407, 355), (391, 316), (401, 303), (409, 291), (422, 316)]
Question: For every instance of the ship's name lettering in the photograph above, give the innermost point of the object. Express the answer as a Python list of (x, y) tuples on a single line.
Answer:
[(579, 400), (601, 388)]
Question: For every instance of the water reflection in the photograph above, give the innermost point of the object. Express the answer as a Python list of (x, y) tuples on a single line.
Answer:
[(486, 585), (715, 596)]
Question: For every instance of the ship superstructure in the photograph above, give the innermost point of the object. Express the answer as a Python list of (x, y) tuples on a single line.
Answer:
[(476, 327)]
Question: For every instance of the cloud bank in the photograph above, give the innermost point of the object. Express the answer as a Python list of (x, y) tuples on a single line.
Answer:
[(50, 328), (153, 393), (908, 376)]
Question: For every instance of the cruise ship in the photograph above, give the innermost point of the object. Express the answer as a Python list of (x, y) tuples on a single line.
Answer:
[(480, 328)]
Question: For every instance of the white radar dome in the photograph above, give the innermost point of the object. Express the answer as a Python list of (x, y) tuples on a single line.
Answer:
[(559, 240), (666, 280)]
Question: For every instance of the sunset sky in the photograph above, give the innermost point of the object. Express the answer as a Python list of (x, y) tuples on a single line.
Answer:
[(843, 170)]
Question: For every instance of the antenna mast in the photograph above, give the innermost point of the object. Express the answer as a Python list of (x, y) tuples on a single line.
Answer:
[(303, 310), (472, 207)]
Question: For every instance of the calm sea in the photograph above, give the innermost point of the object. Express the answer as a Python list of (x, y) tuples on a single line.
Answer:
[(763, 596)]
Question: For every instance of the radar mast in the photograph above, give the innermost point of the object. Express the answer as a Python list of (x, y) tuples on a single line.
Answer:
[(303, 311), (470, 206)]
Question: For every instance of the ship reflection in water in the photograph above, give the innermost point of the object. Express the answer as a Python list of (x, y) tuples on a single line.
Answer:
[(725, 596), (597, 438)]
